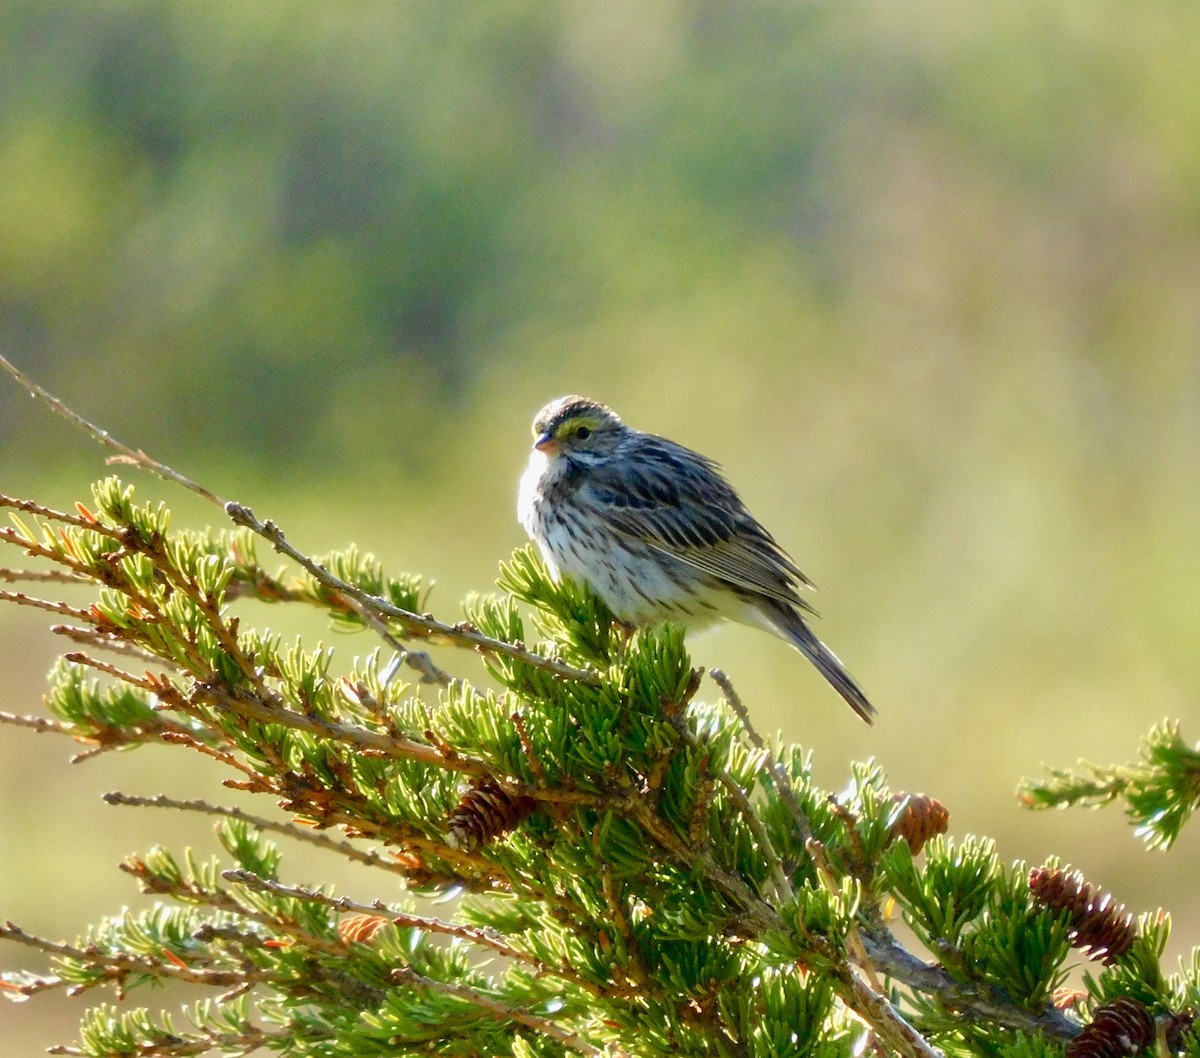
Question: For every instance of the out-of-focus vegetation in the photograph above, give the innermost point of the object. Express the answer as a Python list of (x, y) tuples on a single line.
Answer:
[(925, 277)]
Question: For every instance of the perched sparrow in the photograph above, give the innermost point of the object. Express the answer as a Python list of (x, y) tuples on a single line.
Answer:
[(656, 531)]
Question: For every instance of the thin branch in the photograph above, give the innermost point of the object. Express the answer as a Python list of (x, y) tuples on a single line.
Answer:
[(127, 454), (393, 746), (782, 780), (98, 640), (49, 605), (50, 514), (459, 635), (250, 1041), (41, 576), (783, 887), (77, 657), (121, 964), (242, 515), (41, 724), (888, 1023), (344, 848), (901, 965), (187, 891), (764, 915), (498, 1010), (485, 938)]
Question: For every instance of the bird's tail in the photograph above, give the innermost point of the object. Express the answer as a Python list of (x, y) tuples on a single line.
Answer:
[(796, 631)]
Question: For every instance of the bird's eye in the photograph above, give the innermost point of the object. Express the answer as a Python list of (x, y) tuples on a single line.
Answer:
[(582, 433)]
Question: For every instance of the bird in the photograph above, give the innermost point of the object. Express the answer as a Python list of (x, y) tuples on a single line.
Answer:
[(655, 530)]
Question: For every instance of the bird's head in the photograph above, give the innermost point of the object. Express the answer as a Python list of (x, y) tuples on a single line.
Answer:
[(584, 429)]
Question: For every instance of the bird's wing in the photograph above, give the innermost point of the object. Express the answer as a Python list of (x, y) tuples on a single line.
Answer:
[(676, 501)]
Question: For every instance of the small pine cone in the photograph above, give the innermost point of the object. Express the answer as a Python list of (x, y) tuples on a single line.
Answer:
[(360, 929), (1174, 1026), (1100, 927), (923, 818), (1120, 1029), (487, 810)]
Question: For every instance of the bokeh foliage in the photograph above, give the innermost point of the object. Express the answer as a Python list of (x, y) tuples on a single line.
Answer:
[(403, 192)]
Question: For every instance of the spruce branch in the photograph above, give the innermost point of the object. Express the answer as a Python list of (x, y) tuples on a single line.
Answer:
[(116, 967), (250, 1041), (461, 634), (261, 823), (98, 640), (371, 608), (1161, 790), (982, 1004), (471, 935), (643, 872), (781, 779), (501, 1012)]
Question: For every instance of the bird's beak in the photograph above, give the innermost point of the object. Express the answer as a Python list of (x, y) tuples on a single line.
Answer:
[(548, 444)]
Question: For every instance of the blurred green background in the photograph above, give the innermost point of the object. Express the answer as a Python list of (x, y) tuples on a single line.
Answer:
[(925, 277)]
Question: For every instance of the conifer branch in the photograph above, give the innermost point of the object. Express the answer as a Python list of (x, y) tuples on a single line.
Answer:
[(892, 959), (651, 873), (240, 514), (249, 1041), (117, 966), (782, 781), (97, 640), (41, 576), (459, 634), (483, 938), (195, 891), (498, 1010), (309, 837), (274, 711)]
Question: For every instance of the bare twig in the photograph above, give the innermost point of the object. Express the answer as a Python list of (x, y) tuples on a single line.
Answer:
[(77, 657), (41, 724), (344, 848), (782, 780), (49, 605), (101, 739), (126, 454), (41, 576)]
